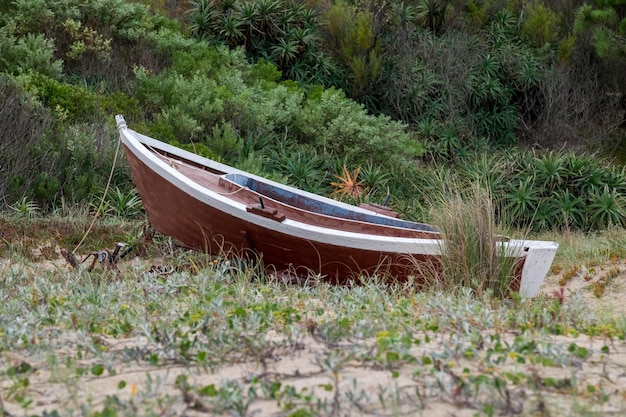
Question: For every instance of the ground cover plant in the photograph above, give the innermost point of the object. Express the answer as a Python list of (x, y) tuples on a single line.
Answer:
[(173, 332), (361, 101)]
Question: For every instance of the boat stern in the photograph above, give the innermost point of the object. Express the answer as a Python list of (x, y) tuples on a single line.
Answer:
[(538, 259)]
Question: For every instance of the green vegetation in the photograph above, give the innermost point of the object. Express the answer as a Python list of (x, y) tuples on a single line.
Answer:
[(297, 91), (520, 104), (474, 256)]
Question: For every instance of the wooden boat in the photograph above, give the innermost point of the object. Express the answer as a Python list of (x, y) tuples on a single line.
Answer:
[(222, 210)]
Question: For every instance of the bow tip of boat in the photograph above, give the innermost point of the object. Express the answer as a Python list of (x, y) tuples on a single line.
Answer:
[(121, 123)]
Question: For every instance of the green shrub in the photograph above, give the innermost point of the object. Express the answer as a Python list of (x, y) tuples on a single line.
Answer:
[(93, 41), (542, 24), (75, 104), (487, 85), (211, 87), (225, 141), (341, 128), (30, 52), (283, 33), (350, 34), (73, 163)]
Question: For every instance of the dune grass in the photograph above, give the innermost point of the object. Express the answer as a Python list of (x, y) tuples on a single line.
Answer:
[(474, 254)]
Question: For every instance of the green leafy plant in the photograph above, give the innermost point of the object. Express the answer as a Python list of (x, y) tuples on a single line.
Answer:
[(607, 208), (25, 208), (302, 168), (123, 203), (521, 200), (375, 179)]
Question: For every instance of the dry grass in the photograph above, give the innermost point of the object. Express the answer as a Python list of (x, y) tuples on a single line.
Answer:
[(474, 256)]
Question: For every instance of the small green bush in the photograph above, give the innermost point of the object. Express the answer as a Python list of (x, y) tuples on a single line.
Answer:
[(30, 52)]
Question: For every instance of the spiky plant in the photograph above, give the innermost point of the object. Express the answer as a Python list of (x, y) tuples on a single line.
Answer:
[(521, 200), (26, 208), (374, 179), (430, 14), (302, 168), (122, 203), (567, 209), (550, 170), (607, 208), (347, 184)]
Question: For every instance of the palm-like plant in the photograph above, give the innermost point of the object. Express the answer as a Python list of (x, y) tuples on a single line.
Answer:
[(569, 208), (576, 165), (307, 16), (269, 12), (521, 201), (405, 13), (529, 74), (301, 168), (427, 128), (283, 33), (431, 14), (203, 16), (449, 143), (304, 36), (374, 178), (544, 217), (285, 51), (489, 171), (227, 5), (489, 66), (616, 178), (592, 181), (607, 208), (502, 27), (232, 30), (248, 12), (550, 170)]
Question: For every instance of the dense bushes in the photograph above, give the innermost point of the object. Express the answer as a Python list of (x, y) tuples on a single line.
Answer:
[(22, 123), (550, 191), (208, 97), (421, 94), (284, 33)]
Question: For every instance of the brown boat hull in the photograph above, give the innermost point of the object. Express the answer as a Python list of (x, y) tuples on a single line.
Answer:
[(180, 215), (175, 213)]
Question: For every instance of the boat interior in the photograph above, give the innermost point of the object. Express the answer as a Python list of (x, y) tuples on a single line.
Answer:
[(303, 202)]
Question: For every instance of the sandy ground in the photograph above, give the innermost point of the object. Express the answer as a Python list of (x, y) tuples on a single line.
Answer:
[(439, 394), (582, 281), (355, 387)]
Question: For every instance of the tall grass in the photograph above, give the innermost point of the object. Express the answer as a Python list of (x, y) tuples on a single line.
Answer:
[(474, 253)]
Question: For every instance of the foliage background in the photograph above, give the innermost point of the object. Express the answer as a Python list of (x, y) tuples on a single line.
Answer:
[(523, 98)]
